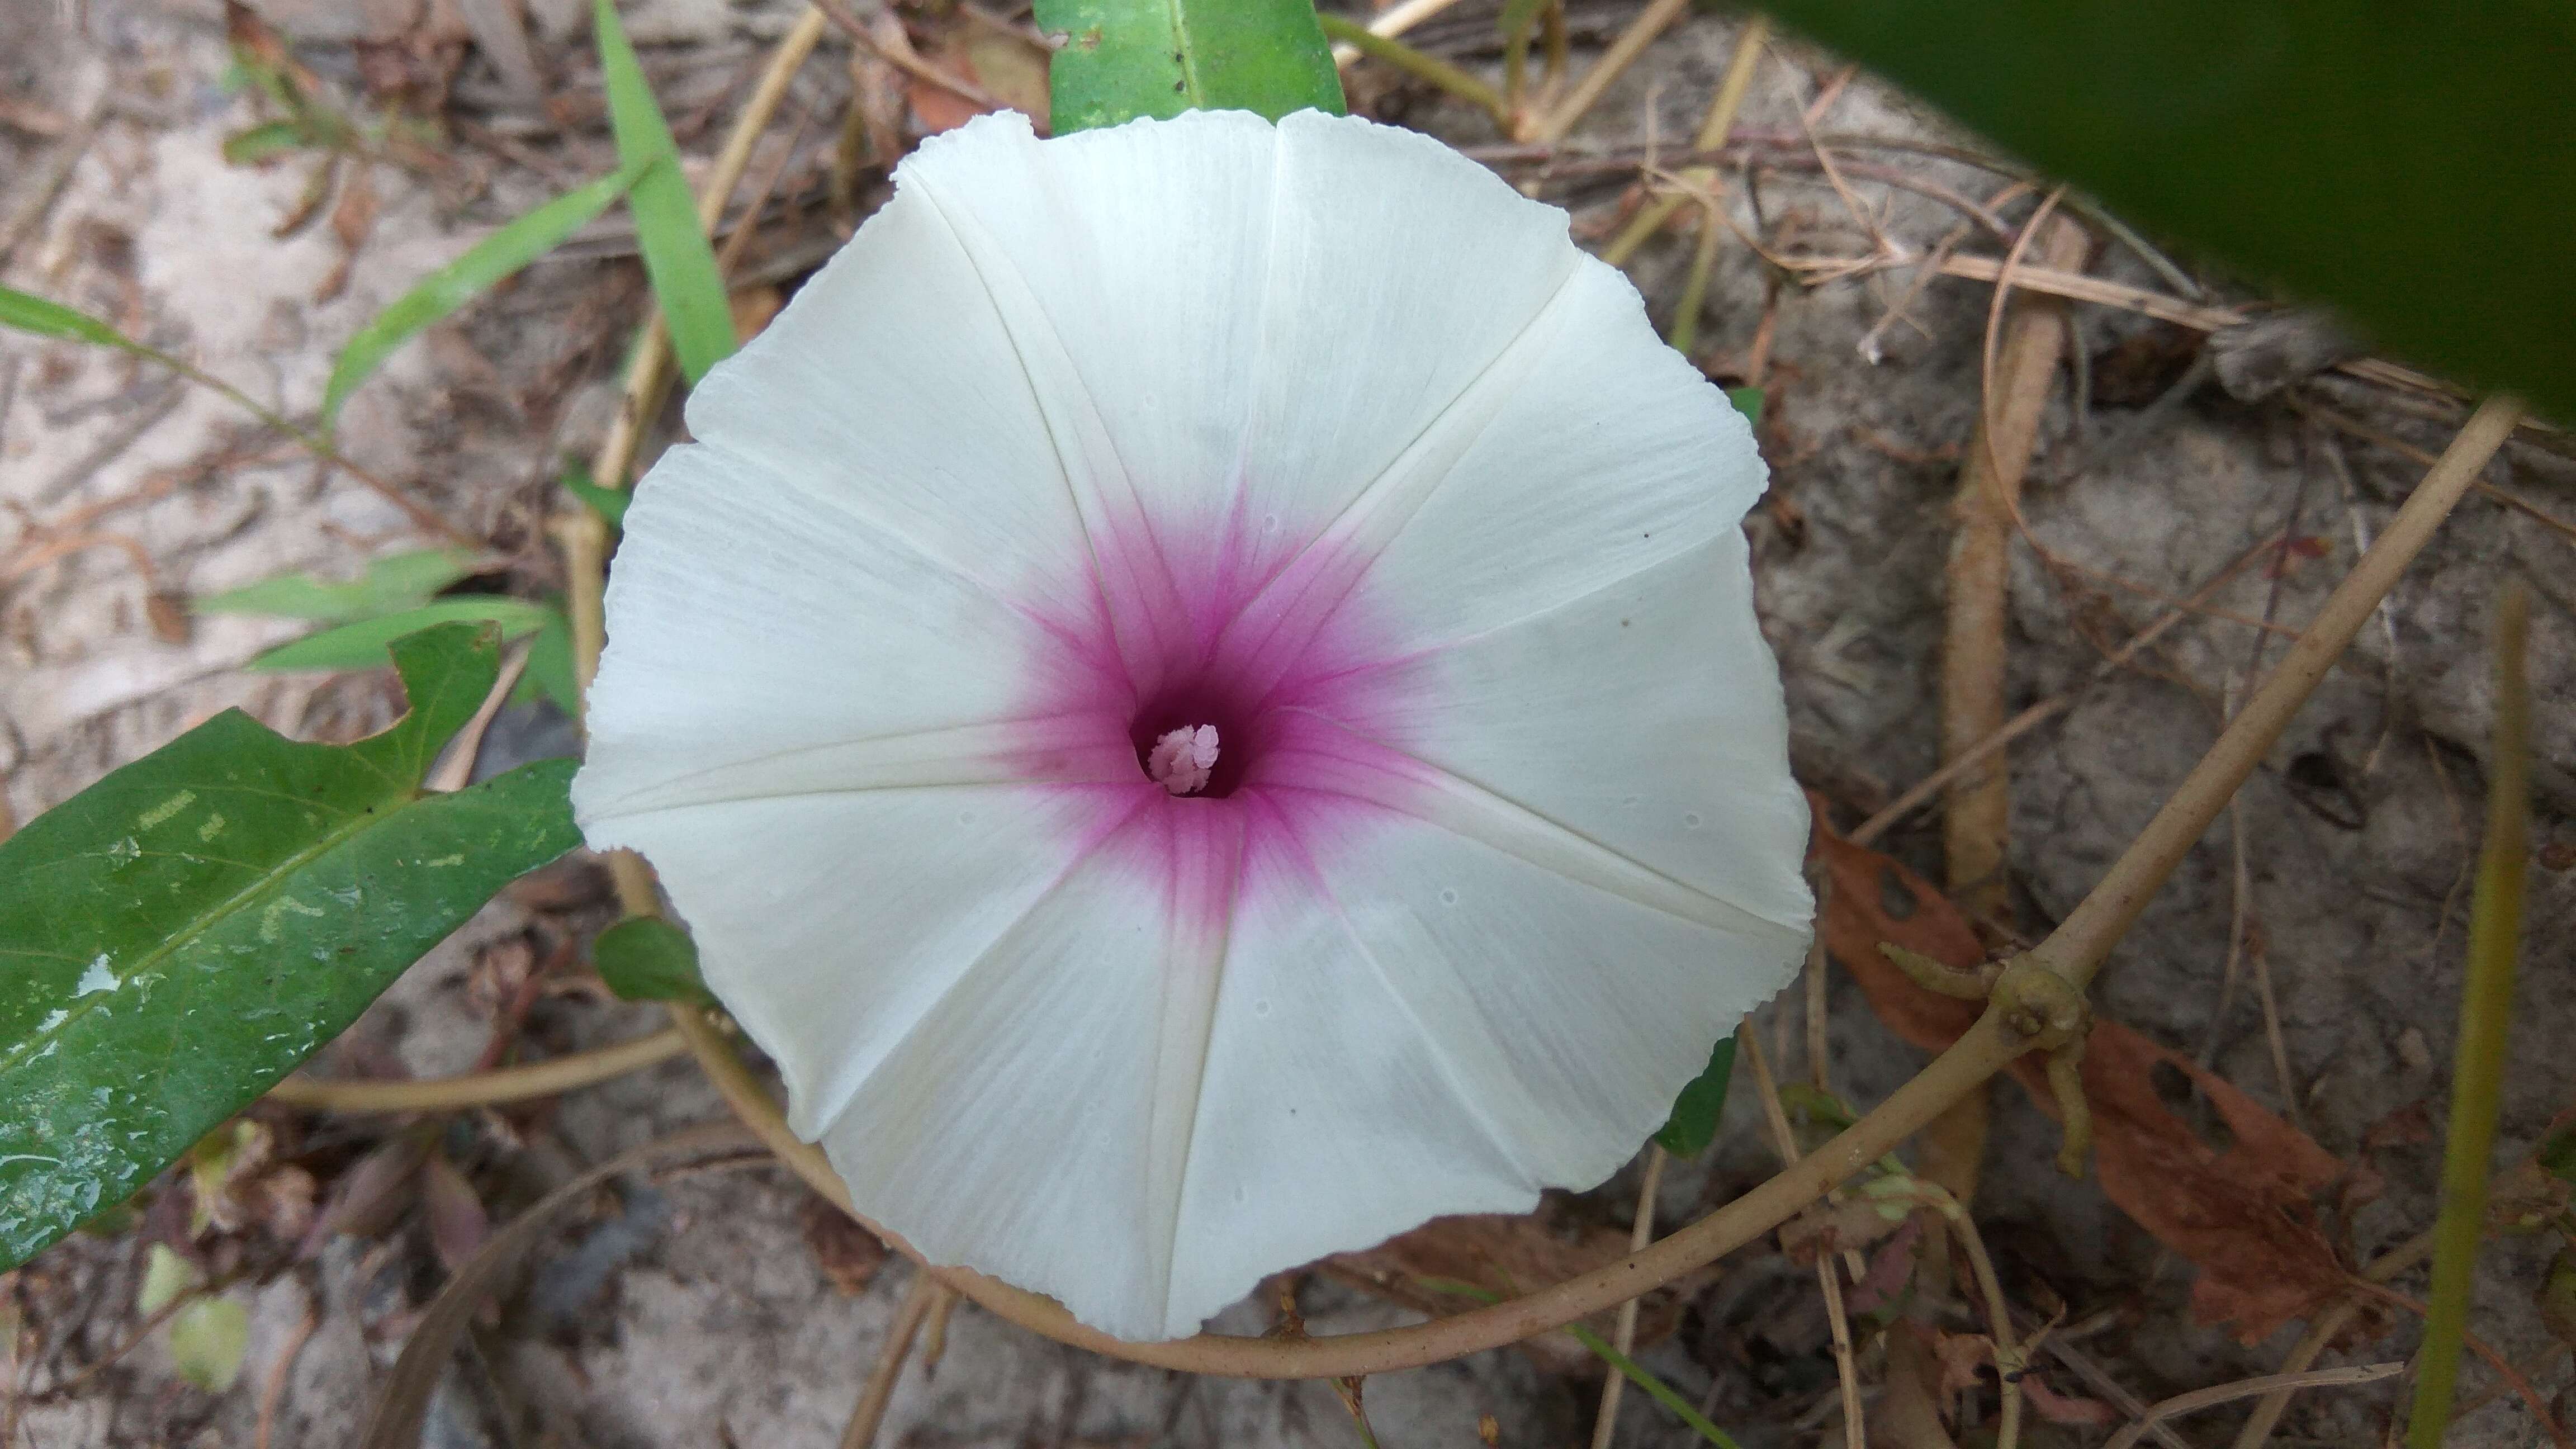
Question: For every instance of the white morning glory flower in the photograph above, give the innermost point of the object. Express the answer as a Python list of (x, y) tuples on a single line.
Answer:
[(1199, 691)]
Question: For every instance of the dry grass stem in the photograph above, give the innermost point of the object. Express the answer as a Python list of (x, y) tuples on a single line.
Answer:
[(1641, 1231), (919, 1302), (2269, 1384), (526, 1082), (1623, 52), (1837, 1321)]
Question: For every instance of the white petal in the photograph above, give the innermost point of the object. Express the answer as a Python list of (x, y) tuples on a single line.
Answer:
[(1587, 451), (890, 389), (1646, 716), (1447, 1026), (1038, 1121), (762, 641), (1239, 325), (830, 925)]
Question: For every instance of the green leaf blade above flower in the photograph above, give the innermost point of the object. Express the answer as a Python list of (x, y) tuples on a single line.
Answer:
[(188, 929), (1123, 59), (676, 255), (2405, 163)]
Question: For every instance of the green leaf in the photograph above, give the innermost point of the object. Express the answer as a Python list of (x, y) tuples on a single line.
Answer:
[(550, 668), (52, 319), (361, 645), (645, 958), (1127, 58), (1693, 1124), (181, 934), (266, 141), (608, 503), (1748, 401), (2402, 162), (207, 1339), (461, 281), (389, 585), (676, 255)]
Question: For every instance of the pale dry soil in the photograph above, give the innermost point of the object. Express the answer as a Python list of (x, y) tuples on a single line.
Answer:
[(693, 1311)]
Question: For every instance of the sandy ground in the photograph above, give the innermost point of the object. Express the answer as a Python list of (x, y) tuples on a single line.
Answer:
[(697, 1311)]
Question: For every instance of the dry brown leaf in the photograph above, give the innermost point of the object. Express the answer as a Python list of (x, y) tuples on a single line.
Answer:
[(2243, 1215), (848, 1254), (1012, 70), (2057, 1408), (1890, 1269), (368, 1198), (457, 1222), (1837, 1227), (937, 108), (353, 219), (1908, 1414)]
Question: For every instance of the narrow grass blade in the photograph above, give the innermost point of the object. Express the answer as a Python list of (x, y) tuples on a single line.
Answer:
[(29, 313), (676, 254), (461, 281), (2486, 1013), (362, 645), (390, 585)]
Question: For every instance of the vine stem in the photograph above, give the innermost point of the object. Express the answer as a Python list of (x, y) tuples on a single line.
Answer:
[(2080, 944), (483, 1089)]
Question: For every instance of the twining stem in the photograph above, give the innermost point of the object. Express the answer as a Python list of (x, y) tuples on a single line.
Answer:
[(483, 1089), (2486, 1011), (1466, 87), (2080, 944)]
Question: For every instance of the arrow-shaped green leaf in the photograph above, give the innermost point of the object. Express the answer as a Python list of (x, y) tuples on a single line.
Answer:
[(178, 936)]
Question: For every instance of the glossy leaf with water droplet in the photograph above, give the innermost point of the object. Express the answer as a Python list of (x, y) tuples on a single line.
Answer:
[(180, 935), (1122, 59)]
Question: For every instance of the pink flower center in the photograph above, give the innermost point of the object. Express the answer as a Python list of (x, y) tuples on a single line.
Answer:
[(1223, 702)]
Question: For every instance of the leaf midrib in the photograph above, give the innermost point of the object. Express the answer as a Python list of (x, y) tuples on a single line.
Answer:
[(1185, 53), (188, 934)]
